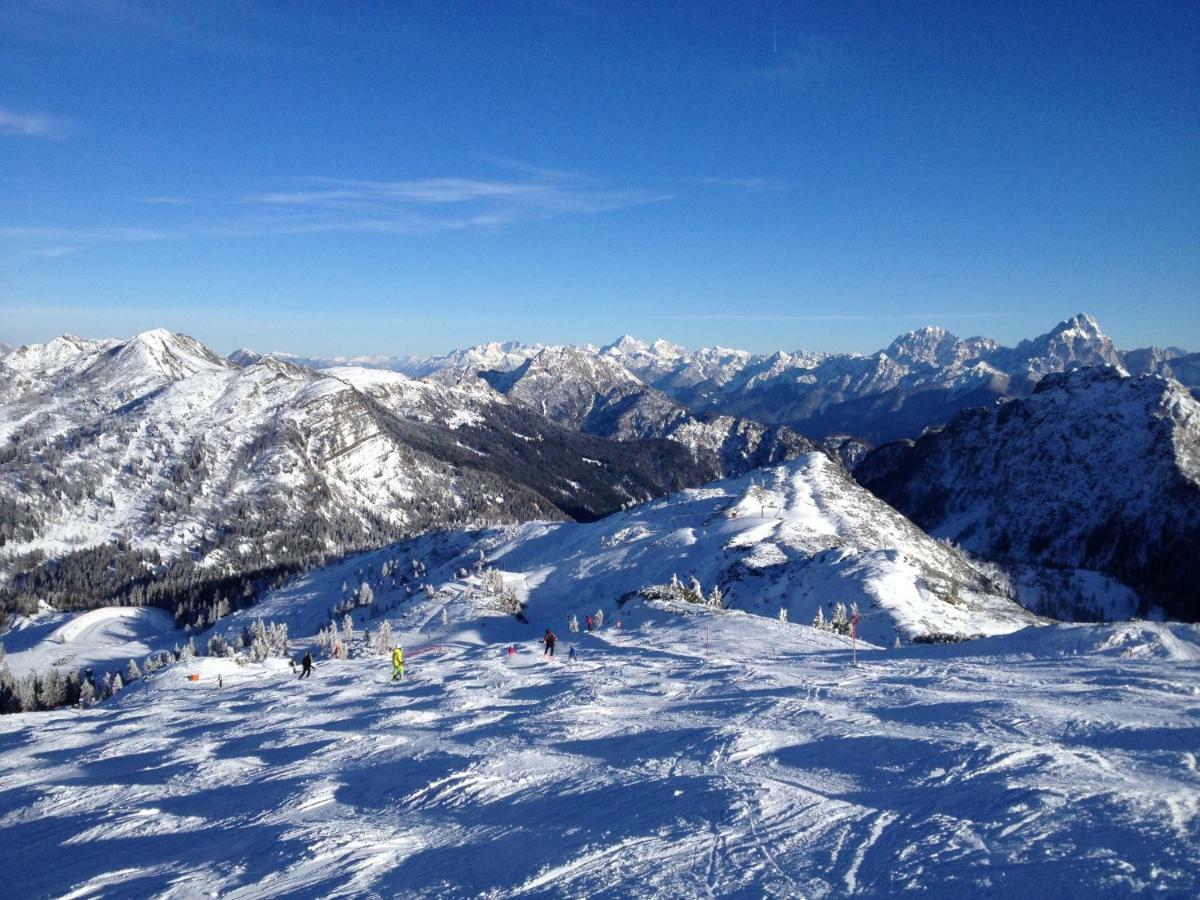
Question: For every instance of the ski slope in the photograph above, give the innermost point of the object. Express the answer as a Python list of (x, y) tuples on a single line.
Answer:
[(685, 756), (106, 637)]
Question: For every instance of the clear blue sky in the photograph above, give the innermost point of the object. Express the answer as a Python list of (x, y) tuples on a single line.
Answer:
[(406, 177)]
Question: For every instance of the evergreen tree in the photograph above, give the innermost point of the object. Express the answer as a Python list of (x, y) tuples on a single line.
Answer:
[(132, 673)]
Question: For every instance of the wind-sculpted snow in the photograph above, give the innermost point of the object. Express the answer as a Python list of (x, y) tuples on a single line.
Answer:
[(760, 762)]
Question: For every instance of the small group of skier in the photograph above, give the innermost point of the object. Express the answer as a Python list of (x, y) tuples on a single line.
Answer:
[(306, 664)]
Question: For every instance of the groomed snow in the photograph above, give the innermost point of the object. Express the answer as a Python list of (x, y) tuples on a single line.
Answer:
[(682, 756)]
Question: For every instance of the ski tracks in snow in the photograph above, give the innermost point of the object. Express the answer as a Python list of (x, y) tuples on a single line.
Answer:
[(641, 770)]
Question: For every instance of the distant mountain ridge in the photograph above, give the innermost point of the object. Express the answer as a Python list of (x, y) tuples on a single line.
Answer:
[(919, 380)]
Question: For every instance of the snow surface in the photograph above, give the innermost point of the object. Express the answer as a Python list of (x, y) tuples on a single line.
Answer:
[(683, 756), (102, 638)]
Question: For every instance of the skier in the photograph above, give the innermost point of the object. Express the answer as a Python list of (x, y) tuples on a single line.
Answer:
[(549, 640), (572, 655), (306, 665), (588, 619), (398, 663)]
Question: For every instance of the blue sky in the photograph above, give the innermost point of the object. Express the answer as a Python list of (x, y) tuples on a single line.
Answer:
[(408, 177)]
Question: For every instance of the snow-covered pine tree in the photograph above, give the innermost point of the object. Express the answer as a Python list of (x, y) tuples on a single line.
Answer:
[(50, 690), (716, 599), (27, 692), (819, 619), (383, 639), (87, 694), (117, 683), (598, 619), (783, 614), (573, 623), (132, 672), (445, 616), (840, 623), (758, 494)]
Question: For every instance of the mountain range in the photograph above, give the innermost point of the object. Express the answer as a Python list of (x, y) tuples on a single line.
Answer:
[(918, 380), (154, 470)]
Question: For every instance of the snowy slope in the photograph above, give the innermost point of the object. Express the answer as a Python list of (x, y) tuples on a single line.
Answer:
[(1096, 470), (763, 765), (101, 639), (816, 539)]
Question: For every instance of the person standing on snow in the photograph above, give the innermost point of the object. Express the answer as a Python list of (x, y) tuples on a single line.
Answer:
[(549, 640), (398, 663), (572, 655), (306, 665)]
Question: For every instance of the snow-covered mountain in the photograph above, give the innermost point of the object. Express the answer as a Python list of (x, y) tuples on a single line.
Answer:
[(592, 393), (1096, 470), (921, 379), (159, 452), (801, 536)]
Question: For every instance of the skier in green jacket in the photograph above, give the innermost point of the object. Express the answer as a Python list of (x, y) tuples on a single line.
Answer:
[(397, 663)]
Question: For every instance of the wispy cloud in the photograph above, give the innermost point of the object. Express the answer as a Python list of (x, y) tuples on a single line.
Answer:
[(52, 252), (32, 124), (748, 184), (166, 201), (83, 235), (317, 205), (448, 203)]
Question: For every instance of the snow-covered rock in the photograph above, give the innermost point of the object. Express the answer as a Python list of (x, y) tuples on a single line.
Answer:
[(1096, 470)]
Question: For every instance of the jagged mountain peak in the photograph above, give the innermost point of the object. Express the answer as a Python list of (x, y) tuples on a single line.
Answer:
[(626, 343), (929, 346), (172, 354)]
